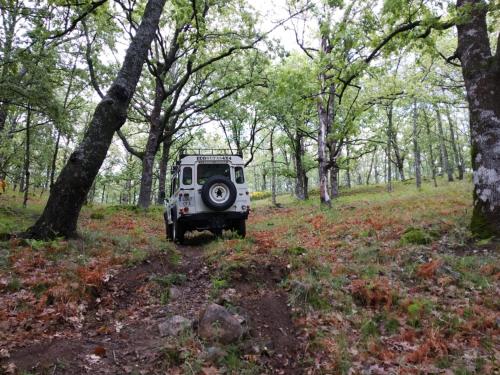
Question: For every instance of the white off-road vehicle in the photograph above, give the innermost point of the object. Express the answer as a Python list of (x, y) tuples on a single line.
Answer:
[(208, 192)]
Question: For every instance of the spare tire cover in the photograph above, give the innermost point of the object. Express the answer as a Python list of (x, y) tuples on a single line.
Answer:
[(218, 193)]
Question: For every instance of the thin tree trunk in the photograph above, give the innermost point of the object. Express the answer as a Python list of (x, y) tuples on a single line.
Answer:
[(264, 178), (388, 152), (397, 153), (103, 193), (273, 171), (54, 159), (325, 113), (348, 169), (431, 153), (372, 161), (163, 171), (416, 148), (481, 72), (454, 147), (63, 207), (27, 158), (446, 162), (300, 181)]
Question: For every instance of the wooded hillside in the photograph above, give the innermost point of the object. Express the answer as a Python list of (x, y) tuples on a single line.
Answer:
[(370, 133)]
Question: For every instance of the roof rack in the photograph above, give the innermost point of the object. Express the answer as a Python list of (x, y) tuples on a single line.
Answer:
[(208, 151)]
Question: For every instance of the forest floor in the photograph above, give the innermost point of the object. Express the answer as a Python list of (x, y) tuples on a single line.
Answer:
[(379, 284)]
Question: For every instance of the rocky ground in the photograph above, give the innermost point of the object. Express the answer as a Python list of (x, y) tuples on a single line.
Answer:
[(126, 329)]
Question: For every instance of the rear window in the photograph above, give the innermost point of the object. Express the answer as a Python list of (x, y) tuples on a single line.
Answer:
[(239, 177), (187, 176), (205, 171)]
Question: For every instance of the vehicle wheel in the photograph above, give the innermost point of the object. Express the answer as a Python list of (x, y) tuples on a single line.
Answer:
[(241, 228), (218, 193), (169, 228), (178, 232)]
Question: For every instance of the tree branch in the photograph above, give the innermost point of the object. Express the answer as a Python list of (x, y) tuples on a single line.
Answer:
[(128, 147), (74, 23)]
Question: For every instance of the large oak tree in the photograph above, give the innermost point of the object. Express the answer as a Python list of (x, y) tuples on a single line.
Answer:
[(61, 212)]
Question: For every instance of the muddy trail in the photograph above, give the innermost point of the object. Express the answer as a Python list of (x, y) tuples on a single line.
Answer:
[(119, 330)]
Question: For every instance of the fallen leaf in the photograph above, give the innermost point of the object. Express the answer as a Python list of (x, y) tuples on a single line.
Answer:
[(209, 371), (100, 351)]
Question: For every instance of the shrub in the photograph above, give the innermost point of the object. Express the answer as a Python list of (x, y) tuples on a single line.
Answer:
[(415, 236), (257, 195), (97, 216)]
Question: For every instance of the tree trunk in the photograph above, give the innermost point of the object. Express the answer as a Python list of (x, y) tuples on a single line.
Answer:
[(454, 147), (334, 179), (416, 148), (372, 161), (397, 151), (264, 178), (325, 114), (152, 145), (431, 152), (63, 207), (27, 158), (273, 171), (54, 159), (103, 193), (444, 151), (388, 152), (348, 169), (163, 171), (300, 180), (481, 72)]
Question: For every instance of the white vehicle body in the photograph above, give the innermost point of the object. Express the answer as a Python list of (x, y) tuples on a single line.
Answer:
[(208, 192)]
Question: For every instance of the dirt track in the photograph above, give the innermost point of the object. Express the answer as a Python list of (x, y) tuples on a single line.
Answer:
[(119, 331)]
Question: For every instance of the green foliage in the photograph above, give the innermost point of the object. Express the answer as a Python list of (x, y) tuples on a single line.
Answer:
[(415, 236), (97, 216), (417, 310), (137, 256), (170, 279), (257, 195)]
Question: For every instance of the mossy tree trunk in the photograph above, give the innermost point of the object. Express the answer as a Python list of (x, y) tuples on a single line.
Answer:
[(481, 72)]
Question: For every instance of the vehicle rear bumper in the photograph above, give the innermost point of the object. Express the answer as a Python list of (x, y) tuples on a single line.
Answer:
[(212, 220)]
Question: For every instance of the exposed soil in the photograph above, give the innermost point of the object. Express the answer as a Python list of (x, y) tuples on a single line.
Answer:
[(119, 333), (271, 331)]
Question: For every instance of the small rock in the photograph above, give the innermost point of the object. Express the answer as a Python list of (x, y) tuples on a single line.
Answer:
[(240, 319), (217, 324), (10, 369), (4, 353), (228, 296), (174, 293), (214, 354), (174, 326)]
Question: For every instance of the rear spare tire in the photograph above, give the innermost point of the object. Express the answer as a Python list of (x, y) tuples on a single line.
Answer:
[(218, 193)]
